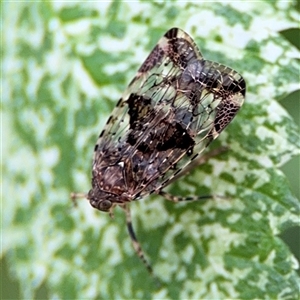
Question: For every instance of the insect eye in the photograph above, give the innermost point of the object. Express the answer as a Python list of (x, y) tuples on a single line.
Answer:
[(105, 205)]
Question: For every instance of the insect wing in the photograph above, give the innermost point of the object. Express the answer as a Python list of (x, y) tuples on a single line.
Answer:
[(216, 92), (148, 82), (173, 108)]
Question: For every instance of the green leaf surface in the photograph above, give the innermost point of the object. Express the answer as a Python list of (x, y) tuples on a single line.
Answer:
[(65, 65)]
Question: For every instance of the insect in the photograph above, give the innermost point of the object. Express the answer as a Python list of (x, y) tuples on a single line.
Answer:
[(174, 107)]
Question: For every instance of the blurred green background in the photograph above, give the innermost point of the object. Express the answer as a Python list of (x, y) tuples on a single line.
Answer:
[(11, 289)]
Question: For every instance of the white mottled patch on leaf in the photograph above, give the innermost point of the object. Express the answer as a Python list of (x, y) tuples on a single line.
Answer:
[(271, 52), (211, 290), (59, 37), (114, 45), (91, 289), (171, 234), (263, 179), (218, 167), (239, 37), (92, 218), (79, 27), (265, 161), (233, 218), (265, 90), (270, 258), (41, 119), (189, 217), (275, 112), (181, 274), (165, 269), (283, 218), (109, 92), (257, 216), (35, 79), (153, 212), (294, 261), (265, 27), (102, 7), (128, 282), (84, 81), (188, 254), (110, 241), (160, 294), (224, 240), (235, 35), (246, 6), (51, 156), (262, 281), (113, 68), (140, 8), (207, 27)]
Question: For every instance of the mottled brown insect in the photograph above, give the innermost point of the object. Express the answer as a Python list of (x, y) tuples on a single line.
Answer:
[(175, 106)]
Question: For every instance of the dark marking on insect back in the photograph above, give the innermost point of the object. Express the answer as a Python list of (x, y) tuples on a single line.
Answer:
[(180, 51), (227, 111), (173, 32), (119, 102), (164, 137), (235, 86), (101, 134), (175, 137), (139, 106), (152, 60)]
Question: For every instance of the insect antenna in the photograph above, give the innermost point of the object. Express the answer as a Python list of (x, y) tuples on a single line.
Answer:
[(75, 196)]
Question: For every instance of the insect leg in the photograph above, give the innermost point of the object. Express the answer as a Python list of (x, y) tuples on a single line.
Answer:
[(199, 161), (135, 243), (177, 199)]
